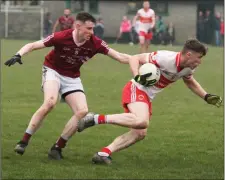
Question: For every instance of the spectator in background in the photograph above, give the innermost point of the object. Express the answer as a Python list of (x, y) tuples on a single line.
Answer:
[(125, 30), (217, 28), (169, 36), (47, 24), (99, 28), (222, 31), (208, 25), (65, 22), (200, 27), (159, 29)]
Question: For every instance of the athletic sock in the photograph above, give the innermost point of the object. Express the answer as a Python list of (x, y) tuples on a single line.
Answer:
[(61, 142), (100, 119), (105, 152), (27, 135)]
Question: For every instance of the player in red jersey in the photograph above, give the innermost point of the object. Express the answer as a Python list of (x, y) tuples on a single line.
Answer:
[(65, 22), (137, 98), (146, 16), (61, 75)]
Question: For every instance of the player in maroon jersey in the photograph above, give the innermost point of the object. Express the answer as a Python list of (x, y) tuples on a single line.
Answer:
[(61, 75), (65, 22)]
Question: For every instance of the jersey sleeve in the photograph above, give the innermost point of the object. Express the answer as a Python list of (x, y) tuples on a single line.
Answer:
[(155, 58), (49, 40), (54, 38), (138, 12), (102, 47)]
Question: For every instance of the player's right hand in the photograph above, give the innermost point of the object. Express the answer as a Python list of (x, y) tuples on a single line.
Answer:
[(142, 79), (13, 60), (213, 99)]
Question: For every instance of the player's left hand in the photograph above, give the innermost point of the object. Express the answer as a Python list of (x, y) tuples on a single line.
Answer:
[(213, 99), (13, 60), (142, 79)]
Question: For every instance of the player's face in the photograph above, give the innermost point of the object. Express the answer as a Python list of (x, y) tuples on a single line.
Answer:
[(66, 12), (86, 29), (146, 5), (193, 59)]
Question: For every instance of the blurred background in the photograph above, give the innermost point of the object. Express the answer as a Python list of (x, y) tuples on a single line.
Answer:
[(179, 19)]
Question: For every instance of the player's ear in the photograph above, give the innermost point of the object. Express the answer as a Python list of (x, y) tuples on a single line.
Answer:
[(77, 24), (188, 54)]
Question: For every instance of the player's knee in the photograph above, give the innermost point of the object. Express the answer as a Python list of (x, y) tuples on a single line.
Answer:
[(81, 112), (142, 124), (49, 103)]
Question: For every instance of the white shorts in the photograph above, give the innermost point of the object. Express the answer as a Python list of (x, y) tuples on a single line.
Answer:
[(67, 85)]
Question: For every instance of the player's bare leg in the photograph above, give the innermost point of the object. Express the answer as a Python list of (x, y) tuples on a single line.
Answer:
[(50, 89), (125, 140), (78, 104), (130, 120), (142, 44), (147, 44), (121, 142)]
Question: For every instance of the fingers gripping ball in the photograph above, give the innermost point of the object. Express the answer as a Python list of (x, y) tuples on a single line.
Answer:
[(149, 74)]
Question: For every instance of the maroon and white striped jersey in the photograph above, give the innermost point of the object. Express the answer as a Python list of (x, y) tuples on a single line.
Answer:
[(66, 58)]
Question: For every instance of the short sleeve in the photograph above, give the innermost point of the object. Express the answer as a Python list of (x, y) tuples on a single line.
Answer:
[(154, 58), (138, 12), (49, 40), (103, 47)]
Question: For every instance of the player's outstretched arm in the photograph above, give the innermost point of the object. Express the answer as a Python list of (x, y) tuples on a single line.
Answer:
[(198, 90), (136, 60), (24, 50), (121, 57)]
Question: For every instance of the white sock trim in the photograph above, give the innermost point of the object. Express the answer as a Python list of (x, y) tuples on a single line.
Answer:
[(103, 154), (96, 118), (28, 131), (65, 138)]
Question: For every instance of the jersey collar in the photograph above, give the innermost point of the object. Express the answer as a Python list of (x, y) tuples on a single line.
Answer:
[(178, 62)]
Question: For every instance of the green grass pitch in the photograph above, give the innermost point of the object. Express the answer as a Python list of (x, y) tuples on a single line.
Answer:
[(184, 141)]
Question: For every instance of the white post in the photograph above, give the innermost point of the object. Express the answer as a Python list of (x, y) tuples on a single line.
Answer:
[(42, 23), (6, 18)]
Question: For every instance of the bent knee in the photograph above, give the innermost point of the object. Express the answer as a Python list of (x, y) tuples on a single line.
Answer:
[(142, 124), (140, 134), (81, 112)]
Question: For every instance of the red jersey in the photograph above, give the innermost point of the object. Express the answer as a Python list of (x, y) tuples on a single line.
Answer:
[(66, 58), (65, 23)]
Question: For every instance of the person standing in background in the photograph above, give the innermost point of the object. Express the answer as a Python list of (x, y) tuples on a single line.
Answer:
[(222, 31), (208, 24), (200, 27), (65, 22), (99, 28), (47, 24), (125, 30), (217, 28)]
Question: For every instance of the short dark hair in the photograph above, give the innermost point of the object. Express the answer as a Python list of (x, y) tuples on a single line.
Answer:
[(84, 16), (194, 45)]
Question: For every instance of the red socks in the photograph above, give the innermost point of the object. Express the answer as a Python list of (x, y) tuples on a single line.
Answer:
[(100, 119), (106, 150)]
